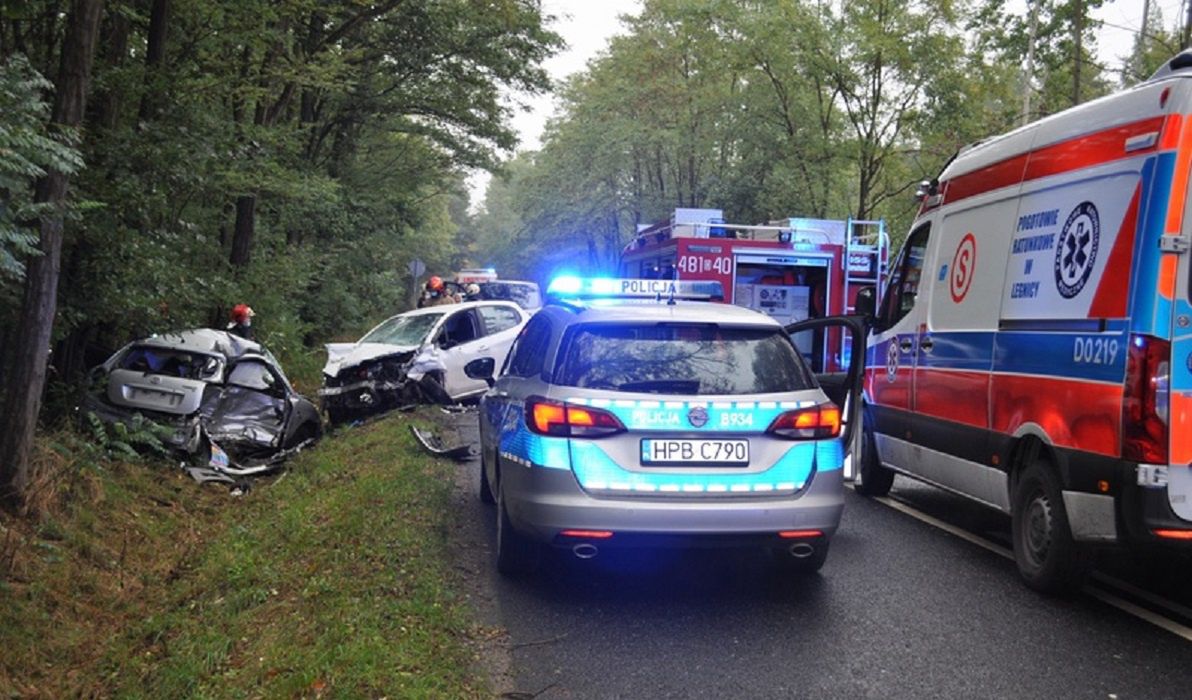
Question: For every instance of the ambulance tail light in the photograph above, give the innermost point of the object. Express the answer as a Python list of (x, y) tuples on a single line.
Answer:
[(547, 417), (813, 423), (1145, 400)]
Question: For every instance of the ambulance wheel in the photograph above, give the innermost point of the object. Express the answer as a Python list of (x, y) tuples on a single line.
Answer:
[(486, 490), (1048, 559), (875, 479), (515, 553)]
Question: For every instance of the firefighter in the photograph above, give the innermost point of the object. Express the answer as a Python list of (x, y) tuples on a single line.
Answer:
[(241, 323), (435, 293)]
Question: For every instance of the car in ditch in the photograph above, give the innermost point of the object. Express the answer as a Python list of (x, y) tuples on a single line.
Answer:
[(211, 393), (417, 356)]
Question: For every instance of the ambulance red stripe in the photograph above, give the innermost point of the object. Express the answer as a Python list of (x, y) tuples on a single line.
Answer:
[(1111, 297), (1077, 414), (1074, 154)]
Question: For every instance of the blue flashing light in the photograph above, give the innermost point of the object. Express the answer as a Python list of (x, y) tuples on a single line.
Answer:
[(565, 285)]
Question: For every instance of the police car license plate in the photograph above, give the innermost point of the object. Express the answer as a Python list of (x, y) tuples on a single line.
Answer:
[(658, 452)]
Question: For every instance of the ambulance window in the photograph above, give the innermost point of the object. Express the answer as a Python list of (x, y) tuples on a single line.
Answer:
[(904, 282)]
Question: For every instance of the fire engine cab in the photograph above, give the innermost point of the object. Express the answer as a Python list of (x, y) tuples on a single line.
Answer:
[(792, 269)]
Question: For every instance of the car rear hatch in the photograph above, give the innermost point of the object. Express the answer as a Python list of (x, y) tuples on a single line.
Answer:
[(689, 411)]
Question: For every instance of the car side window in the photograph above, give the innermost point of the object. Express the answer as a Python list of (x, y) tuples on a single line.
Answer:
[(255, 375), (903, 287), (460, 328), (498, 318), (529, 353)]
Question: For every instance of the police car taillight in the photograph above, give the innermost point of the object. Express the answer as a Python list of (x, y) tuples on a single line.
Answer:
[(813, 423), (1145, 400), (547, 417)]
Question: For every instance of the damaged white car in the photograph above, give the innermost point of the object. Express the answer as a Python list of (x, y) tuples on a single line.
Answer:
[(221, 397), (417, 356)]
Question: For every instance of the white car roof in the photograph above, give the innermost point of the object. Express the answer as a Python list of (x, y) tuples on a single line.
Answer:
[(448, 308)]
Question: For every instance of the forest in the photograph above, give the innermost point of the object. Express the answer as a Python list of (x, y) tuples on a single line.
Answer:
[(163, 160)]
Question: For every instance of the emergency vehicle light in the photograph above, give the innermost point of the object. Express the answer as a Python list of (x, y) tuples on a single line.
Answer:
[(622, 288)]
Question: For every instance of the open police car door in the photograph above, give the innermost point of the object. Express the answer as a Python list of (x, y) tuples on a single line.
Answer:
[(840, 373)]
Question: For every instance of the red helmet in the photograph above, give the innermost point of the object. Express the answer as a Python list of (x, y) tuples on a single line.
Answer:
[(242, 312), (435, 284)]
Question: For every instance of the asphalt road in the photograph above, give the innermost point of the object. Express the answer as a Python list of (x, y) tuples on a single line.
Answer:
[(902, 609)]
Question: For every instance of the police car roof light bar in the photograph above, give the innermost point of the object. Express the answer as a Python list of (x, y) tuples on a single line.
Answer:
[(569, 287)]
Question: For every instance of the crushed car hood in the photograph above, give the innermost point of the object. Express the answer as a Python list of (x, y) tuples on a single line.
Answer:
[(155, 392), (340, 355)]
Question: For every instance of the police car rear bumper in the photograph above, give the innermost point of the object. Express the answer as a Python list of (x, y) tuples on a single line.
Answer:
[(543, 502)]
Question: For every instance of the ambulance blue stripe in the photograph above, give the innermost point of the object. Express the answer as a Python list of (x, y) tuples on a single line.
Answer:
[(1151, 314), (1054, 355), (1047, 354)]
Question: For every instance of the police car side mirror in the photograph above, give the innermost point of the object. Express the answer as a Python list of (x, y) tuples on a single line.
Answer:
[(481, 368), (866, 304)]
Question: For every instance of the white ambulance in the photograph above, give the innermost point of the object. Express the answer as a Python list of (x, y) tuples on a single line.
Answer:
[(1033, 350)]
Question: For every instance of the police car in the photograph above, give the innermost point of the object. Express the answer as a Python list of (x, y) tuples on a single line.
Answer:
[(629, 414)]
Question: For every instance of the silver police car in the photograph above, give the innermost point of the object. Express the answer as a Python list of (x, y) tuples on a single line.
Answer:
[(627, 415)]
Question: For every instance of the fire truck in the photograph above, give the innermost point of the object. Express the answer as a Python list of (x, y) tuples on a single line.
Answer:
[(792, 269)]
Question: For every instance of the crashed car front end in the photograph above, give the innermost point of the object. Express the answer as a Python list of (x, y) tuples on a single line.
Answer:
[(356, 384)]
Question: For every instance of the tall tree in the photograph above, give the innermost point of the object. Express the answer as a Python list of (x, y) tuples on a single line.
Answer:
[(26, 378)]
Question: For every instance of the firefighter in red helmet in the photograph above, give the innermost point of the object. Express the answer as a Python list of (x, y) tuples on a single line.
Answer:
[(241, 323), (435, 293)]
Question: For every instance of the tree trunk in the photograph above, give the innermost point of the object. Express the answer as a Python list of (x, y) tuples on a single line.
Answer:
[(29, 353), (242, 235), (113, 51), (155, 54)]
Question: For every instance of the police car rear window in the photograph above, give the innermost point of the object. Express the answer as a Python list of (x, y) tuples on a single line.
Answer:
[(683, 359)]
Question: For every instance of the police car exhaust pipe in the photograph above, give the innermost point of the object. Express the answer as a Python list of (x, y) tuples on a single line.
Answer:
[(584, 551), (801, 550)]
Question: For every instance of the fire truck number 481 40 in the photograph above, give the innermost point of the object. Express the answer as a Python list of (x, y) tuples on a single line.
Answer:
[(695, 264)]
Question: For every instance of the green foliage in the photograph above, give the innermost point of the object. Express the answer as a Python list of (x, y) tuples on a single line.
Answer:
[(348, 125), (132, 441), (28, 150)]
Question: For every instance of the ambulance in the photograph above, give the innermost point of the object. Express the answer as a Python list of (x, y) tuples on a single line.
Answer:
[(1033, 348)]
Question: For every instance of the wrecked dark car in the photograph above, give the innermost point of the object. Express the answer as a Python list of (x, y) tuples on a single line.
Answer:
[(220, 398), (417, 356)]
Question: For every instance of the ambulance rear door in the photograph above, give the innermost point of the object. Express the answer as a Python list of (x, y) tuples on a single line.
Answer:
[(1177, 239)]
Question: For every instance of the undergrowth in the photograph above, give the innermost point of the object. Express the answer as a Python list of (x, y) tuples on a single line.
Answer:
[(128, 579)]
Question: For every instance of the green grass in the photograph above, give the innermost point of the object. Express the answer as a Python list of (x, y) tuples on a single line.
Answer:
[(333, 581)]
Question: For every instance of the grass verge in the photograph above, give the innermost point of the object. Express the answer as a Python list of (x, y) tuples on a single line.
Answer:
[(332, 581)]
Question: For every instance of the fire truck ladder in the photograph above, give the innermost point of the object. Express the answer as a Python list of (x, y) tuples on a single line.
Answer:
[(866, 255)]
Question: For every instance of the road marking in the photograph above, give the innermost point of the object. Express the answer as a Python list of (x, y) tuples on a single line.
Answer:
[(946, 527), (1104, 596)]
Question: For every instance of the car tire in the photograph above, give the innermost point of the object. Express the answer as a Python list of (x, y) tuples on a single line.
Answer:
[(787, 563), (515, 553), (486, 490), (1048, 559), (308, 431), (873, 478)]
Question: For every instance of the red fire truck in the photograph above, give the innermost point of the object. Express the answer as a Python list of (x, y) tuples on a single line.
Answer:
[(792, 269)]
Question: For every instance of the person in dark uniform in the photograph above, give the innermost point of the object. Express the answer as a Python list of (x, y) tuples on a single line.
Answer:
[(241, 323)]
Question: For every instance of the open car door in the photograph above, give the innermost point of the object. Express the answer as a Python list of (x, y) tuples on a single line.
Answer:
[(842, 377)]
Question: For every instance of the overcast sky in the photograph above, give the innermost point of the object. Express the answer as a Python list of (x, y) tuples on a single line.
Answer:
[(587, 25)]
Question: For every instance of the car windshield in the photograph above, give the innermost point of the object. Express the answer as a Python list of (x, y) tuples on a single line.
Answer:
[(524, 294), (690, 359), (172, 363), (403, 330)]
